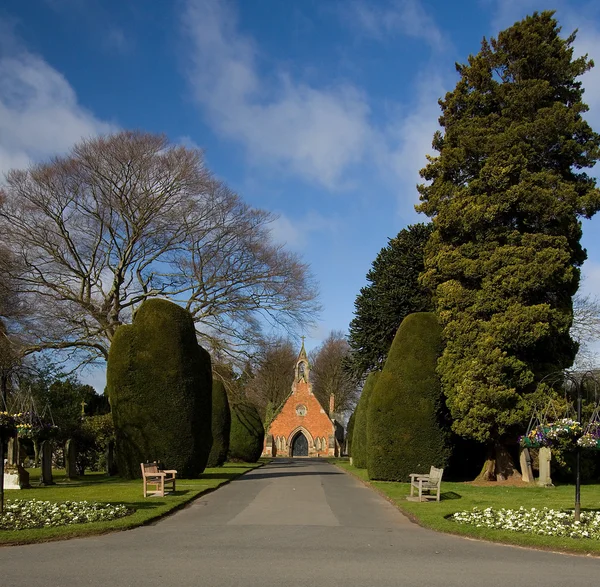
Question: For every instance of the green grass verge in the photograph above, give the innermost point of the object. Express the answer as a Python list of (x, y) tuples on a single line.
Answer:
[(464, 496), (98, 487)]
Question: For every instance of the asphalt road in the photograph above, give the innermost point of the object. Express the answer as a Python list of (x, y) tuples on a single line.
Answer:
[(292, 523)]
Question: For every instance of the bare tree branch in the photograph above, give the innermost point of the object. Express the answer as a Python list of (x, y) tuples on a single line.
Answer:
[(127, 217)]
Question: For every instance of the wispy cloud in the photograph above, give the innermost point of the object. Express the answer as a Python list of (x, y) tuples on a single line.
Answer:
[(394, 18), (39, 112), (297, 232), (317, 133)]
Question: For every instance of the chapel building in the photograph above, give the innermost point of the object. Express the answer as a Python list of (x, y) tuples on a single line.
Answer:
[(302, 426)]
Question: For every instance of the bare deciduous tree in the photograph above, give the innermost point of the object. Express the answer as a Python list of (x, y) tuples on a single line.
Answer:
[(272, 374), (330, 375), (129, 216), (586, 329)]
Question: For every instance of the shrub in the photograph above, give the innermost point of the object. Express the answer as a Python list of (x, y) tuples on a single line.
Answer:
[(221, 425), (159, 383), (247, 433), (349, 432), (406, 433), (359, 440)]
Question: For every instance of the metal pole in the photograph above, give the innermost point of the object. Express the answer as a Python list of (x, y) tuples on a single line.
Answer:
[(1, 474), (577, 457)]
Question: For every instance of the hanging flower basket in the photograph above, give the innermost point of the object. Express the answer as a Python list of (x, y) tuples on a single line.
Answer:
[(564, 428), (589, 441), (8, 428), (536, 438), (25, 430)]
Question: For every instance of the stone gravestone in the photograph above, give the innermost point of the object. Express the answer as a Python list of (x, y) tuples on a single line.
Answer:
[(14, 448), (545, 480), (71, 459), (111, 465), (46, 476), (526, 468)]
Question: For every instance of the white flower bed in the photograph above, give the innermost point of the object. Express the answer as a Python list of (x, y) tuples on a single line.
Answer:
[(544, 521), (21, 514)]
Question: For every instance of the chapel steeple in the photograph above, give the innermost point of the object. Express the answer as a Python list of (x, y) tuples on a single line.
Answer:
[(302, 364)]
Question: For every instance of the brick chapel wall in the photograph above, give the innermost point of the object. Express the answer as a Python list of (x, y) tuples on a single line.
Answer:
[(315, 424)]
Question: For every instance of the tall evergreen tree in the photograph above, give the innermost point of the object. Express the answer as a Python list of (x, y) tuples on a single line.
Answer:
[(393, 292), (506, 193)]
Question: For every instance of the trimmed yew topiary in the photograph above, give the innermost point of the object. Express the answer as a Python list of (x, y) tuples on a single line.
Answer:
[(349, 433), (359, 439), (405, 412), (247, 433), (159, 382), (221, 425)]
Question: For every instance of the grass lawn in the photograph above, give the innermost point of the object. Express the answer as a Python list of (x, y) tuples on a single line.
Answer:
[(464, 496), (98, 487)]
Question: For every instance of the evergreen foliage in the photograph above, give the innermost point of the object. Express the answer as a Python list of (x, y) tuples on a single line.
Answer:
[(247, 433), (221, 425), (349, 433), (159, 383), (360, 434), (404, 417), (506, 193), (393, 292)]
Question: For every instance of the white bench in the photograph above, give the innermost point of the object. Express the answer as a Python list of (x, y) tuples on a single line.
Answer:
[(151, 475), (426, 484)]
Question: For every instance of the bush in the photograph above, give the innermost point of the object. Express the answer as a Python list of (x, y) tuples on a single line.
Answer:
[(359, 440), (159, 383), (405, 409), (247, 433), (221, 425), (92, 442), (349, 432)]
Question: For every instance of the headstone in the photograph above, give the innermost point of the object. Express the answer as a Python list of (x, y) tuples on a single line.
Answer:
[(71, 459), (111, 465), (545, 456), (13, 452), (526, 468), (16, 478), (46, 475)]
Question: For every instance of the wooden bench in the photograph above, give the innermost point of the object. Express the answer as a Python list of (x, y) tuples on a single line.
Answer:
[(153, 475), (426, 484)]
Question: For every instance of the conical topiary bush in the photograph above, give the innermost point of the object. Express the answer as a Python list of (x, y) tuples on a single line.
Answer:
[(359, 440), (247, 433), (406, 429), (221, 425), (159, 383)]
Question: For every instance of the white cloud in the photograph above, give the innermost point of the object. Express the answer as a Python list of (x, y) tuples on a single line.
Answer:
[(411, 135), (39, 112), (297, 232), (403, 17), (318, 133)]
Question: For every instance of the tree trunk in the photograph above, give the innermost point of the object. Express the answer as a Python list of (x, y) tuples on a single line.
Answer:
[(499, 465)]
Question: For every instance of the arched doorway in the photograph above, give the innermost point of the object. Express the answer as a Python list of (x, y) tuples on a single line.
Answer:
[(300, 445)]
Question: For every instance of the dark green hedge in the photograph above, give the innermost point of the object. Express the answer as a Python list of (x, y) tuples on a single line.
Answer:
[(221, 425), (359, 440), (405, 411), (159, 382), (247, 433), (349, 432)]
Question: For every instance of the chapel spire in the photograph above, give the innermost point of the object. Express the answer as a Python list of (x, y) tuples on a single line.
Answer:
[(302, 364)]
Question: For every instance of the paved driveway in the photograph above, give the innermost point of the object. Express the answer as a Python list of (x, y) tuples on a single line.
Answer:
[(291, 523)]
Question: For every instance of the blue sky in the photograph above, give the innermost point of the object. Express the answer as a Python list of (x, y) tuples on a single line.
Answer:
[(319, 110)]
